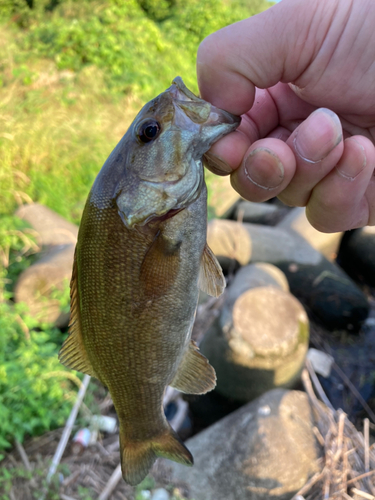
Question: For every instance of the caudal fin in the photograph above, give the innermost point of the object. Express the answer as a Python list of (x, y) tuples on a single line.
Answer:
[(137, 457)]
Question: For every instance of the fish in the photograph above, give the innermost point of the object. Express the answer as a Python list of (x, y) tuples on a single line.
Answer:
[(140, 259)]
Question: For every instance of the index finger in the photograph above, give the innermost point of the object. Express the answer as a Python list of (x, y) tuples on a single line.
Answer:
[(272, 108), (260, 52)]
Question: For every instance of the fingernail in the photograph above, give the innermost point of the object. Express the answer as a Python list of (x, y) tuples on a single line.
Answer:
[(318, 135), (352, 169), (216, 164), (264, 169)]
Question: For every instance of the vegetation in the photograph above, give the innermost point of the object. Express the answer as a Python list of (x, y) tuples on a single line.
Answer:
[(35, 480), (34, 387), (73, 73)]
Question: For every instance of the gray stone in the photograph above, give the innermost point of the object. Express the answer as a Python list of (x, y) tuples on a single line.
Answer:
[(357, 254), (320, 284), (255, 275), (258, 213), (326, 243), (258, 343), (329, 293), (51, 227), (160, 494), (230, 240), (37, 285), (264, 450)]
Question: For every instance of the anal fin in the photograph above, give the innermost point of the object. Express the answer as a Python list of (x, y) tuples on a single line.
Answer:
[(195, 375), (211, 278), (73, 353)]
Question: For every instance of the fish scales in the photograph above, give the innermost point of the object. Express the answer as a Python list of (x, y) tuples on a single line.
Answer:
[(117, 276), (140, 259)]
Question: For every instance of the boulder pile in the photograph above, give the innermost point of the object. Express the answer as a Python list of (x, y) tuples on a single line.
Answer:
[(282, 277)]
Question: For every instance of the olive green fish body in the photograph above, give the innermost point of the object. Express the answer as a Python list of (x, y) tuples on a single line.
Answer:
[(140, 259), (118, 311)]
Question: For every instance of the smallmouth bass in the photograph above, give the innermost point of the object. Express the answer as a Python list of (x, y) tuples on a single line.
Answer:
[(140, 259)]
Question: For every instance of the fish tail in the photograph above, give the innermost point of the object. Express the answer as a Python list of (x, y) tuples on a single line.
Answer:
[(137, 457)]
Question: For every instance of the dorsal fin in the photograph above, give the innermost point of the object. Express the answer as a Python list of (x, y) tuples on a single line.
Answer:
[(211, 278), (73, 353), (195, 375)]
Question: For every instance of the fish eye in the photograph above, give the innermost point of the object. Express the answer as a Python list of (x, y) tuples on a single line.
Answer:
[(149, 131)]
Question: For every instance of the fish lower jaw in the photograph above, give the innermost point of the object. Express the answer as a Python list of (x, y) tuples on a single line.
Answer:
[(161, 218), (135, 222)]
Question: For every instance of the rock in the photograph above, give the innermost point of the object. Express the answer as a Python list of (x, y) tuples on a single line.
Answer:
[(209, 408), (357, 254), (259, 343), (51, 227), (255, 275), (37, 285), (230, 240), (320, 361), (354, 365), (145, 494), (258, 213), (264, 450), (326, 243), (330, 294), (160, 494)]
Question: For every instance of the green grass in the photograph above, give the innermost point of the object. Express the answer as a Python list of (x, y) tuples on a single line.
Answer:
[(55, 132)]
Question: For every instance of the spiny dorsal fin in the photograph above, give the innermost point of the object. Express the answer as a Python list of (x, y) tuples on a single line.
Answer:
[(195, 375), (72, 353), (160, 266), (211, 278)]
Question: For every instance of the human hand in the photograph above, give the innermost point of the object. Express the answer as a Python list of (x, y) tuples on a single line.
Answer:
[(281, 69)]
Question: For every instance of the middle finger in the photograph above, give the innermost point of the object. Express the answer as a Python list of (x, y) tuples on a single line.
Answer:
[(317, 145)]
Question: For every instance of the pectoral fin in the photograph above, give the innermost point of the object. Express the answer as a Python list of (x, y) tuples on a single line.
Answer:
[(160, 266), (195, 375), (211, 278), (72, 353)]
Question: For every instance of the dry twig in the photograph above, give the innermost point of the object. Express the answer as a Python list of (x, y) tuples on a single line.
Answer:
[(23, 455), (66, 433), (112, 483), (349, 462)]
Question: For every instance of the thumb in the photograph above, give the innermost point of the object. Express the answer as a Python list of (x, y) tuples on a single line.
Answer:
[(276, 45)]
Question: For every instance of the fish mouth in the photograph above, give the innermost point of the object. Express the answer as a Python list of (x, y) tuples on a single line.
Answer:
[(214, 122), (178, 86), (194, 125), (216, 116)]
